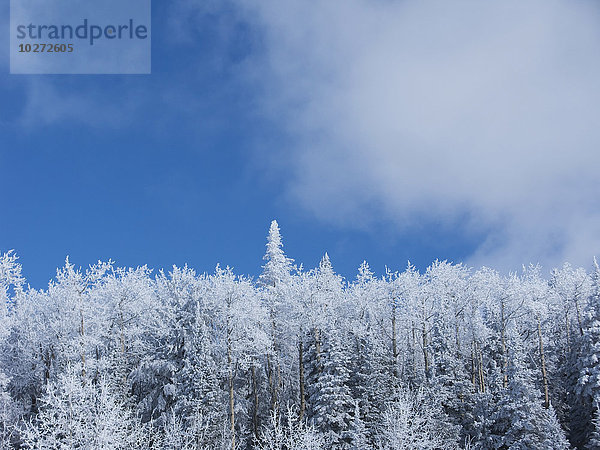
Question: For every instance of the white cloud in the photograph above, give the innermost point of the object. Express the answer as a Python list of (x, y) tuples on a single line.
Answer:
[(50, 102), (405, 110)]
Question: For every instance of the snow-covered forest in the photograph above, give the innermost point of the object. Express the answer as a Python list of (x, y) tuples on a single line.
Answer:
[(116, 358)]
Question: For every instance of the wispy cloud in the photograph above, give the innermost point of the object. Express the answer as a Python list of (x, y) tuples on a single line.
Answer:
[(48, 102), (404, 111)]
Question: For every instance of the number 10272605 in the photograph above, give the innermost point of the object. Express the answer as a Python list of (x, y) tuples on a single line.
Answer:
[(45, 48)]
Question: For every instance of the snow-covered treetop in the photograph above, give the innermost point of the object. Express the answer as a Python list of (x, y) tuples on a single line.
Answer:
[(10, 270), (325, 264), (278, 266), (10, 276)]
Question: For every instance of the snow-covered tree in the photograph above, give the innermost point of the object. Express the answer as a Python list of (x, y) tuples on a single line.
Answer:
[(415, 420), (521, 421), (77, 413), (587, 389), (11, 285), (276, 283), (331, 402), (446, 357), (289, 434)]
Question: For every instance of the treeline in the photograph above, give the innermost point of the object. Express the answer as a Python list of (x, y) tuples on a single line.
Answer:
[(112, 358)]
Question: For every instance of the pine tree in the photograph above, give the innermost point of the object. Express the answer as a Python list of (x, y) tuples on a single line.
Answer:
[(278, 267), (200, 407), (587, 390), (275, 280), (521, 421), (331, 399), (358, 434)]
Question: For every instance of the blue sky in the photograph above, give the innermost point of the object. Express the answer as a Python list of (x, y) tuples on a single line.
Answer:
[(362, 128)]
